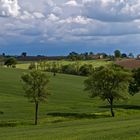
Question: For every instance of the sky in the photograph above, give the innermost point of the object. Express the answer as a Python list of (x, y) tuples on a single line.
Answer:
[(57, 27)]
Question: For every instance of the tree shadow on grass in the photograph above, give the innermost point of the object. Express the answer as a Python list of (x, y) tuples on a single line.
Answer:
[(135, 107), (79, 115), (14, 123)]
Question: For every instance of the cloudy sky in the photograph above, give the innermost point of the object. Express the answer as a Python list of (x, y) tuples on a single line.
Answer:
[(56, 27)]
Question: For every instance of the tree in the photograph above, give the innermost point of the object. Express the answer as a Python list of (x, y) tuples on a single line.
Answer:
[(10, 62), (32, 66), (23, 54), (134, 86), (117, 53), (130, 55), (124, 55), (68, 69), (75, 56), (85, 69), (54, 68), (35, 86), (109, 83)]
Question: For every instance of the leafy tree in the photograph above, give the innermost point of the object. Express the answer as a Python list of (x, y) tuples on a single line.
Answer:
[(134, 86), (130, 55), (32, 66), (10, 62), (24, 54), (124, 55), (42, 65), (3, 54), (35, 86), (109, 83), (117, 53), (75, 56), (77, 65), (54, 68), (85, 69), (86, 55), (69, 69), (91, 53)]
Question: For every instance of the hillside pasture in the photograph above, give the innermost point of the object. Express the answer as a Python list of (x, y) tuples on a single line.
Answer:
[(69, 114)]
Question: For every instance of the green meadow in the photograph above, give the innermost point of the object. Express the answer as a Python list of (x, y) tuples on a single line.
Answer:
[(69, 114), (95, 63)]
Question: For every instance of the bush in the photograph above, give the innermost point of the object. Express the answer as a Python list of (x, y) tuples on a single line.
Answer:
[(85, 69), (32, 66), (10, 62), (68, 69)]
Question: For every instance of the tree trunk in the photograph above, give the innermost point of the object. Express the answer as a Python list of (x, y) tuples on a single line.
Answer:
[(36, 113), (111, 108)]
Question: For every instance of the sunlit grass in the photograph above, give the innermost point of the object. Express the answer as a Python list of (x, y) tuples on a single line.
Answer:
[(69, 114)]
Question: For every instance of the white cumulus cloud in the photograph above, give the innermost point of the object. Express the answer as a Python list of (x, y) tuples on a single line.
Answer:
[(71, 3), (96, 22), (9, 8), (112, 10)]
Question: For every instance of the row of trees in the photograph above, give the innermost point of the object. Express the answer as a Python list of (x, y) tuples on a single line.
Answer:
[(86, 56), (90, 56), (75, 68), (109, 83), (118, 54)]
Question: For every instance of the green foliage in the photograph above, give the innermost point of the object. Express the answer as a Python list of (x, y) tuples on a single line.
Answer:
[(85, 69), (35, 86), (69, 69), (54, 68), (134, 86), (109, 83), (131, 55), (117, 53), (124, 55), (10, 62), (32, 66), (47, 65), (75, 56), (69, 99)]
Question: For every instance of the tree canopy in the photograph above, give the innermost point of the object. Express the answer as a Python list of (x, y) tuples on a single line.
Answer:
[(36, 88), (134, 86), (10, 62), (109, 83), (117, 53)]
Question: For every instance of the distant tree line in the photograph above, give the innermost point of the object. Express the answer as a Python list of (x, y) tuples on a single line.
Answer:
[(73, 56), (75, 68)]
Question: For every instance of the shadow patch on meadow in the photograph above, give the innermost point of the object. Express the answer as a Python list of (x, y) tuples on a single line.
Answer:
[(135, 107), (13, 124), (8, 124), (1, 112), (78, 115)]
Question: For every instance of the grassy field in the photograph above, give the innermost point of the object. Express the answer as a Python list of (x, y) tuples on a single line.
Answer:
[(69, 114), (95, 63)]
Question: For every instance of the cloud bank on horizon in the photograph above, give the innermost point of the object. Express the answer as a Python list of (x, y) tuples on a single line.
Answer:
[(60, 26)]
